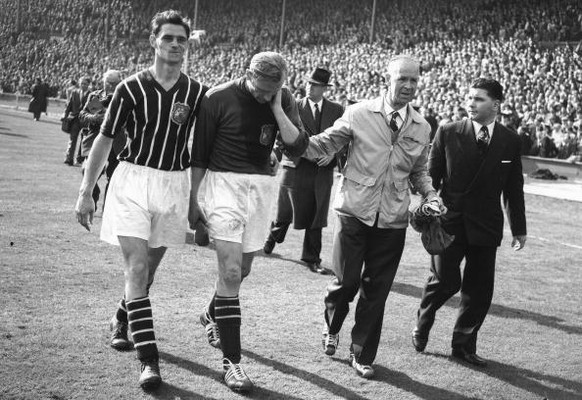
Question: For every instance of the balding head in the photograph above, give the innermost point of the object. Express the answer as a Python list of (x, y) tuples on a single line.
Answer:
[(403, 75), (111, 79)]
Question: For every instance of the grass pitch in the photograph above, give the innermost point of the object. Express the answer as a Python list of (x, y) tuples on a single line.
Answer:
[(59, 286)]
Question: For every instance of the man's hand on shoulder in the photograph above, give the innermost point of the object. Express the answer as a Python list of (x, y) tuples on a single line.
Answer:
[(325, 160)]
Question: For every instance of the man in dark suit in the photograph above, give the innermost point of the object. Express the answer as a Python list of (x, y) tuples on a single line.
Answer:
[(472, 162), (75, 103), (38, 102), (305, 186)]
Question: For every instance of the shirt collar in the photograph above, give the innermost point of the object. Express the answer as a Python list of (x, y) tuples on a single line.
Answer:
[(312, 104), (389, 110), (477, 127)]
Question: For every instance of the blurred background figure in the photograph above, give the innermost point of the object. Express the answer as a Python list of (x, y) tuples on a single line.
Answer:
[(76, 101), (39, 100), (91, 116)]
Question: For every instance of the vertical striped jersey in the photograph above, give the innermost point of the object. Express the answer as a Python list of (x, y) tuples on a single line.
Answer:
[(157, 122)]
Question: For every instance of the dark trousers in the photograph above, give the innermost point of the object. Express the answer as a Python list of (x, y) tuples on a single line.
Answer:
[(476, 288), (279, 227), (284, 215), (379, 252), (73, 139)]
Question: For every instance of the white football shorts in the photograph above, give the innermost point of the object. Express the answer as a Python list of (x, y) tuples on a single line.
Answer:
[(147, 203), (238, 207)]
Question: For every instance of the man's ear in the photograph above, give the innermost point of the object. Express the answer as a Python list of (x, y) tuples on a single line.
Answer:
[(153, 41)]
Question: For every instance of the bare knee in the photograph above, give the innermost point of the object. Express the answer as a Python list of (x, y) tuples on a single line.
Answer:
[(137, 273), (231, 276)]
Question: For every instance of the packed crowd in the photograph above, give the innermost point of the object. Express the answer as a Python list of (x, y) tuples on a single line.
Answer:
[(521, 45)]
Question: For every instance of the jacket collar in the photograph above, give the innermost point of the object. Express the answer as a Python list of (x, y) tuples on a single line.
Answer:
[(377, 106)]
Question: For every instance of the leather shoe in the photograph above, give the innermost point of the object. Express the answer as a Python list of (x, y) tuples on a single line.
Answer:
[(470, 358), (325, 271), (419, 340), (313, 266), (269, 246)]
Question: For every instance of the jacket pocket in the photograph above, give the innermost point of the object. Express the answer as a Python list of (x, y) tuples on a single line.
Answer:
[(397, 202), (357, 177)]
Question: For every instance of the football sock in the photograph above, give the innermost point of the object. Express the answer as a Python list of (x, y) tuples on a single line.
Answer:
[(121, 313), (228, 319), (141, 324), (210, 307)]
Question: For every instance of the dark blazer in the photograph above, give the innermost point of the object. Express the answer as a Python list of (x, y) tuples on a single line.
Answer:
[(38, 102), (312, 183), (471, 185), (77, 100), (330, 111)]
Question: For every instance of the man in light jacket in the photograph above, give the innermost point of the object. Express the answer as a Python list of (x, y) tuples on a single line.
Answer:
[(388, 151)]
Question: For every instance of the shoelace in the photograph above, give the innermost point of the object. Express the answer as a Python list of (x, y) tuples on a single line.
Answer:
[(331, 339), (212, 331), (152, 367), (120, 330), (237, 371)]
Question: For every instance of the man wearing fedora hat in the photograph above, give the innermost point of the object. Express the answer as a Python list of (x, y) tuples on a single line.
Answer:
[(305, 185)]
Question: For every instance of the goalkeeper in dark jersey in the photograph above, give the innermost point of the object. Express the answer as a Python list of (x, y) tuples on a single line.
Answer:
[(235, 133)]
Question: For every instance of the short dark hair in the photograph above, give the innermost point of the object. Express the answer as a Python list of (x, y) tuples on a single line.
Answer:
[(491, 86), (168, 17)]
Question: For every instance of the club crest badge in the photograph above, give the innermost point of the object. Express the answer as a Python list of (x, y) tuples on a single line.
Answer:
[(267, 137), (180, 113)]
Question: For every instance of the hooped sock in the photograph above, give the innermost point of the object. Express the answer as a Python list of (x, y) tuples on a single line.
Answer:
[(141, 324), (228, 319)]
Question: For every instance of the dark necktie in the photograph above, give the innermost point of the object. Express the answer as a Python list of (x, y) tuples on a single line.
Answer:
[(483, 138), (394, 126), (317, 118)]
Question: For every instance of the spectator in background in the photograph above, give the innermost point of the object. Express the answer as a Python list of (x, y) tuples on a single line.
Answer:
[(76, 100), (72, 86), (91, 117), (460, 114), (39, 100), (508, 119), (526, 140), (305, 186), (544, 146), (430, 117)]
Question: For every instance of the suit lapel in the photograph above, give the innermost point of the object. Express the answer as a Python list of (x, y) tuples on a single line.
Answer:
[(307, 117), (325, 115), (492, 157), (495, 149), (470, 152), (468, 140)]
